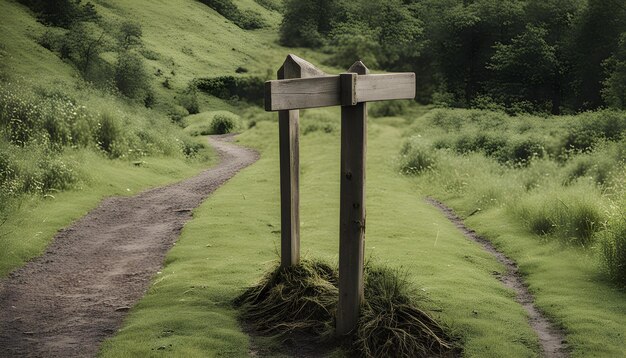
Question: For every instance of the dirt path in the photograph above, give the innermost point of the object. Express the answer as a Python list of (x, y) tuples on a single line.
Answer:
[(552, 340), (66, 302)]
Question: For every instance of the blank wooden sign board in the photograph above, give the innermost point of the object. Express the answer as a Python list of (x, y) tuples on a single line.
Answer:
[(301, 85)]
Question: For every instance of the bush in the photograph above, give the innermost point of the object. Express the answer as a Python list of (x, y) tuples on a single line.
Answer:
[(251, 89), (522, 151), (108, 132), (56, 175), (131, 77), (223, 124), (593, 127), (245, 19), (272, 5), (416, 157), (319, 121), (388, 108), (572, 216), (189, 100), (613, 249)]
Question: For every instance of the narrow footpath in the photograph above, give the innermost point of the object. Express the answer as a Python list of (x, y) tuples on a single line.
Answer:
[(67, 301), (551, 339)]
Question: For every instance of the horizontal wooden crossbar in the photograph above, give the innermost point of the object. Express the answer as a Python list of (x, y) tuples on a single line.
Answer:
[(327, 91)]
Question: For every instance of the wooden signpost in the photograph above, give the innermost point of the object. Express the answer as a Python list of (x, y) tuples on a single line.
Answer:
[(301, 85)]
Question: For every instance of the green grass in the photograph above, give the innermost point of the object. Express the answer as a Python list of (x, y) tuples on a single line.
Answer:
[(205, 123), (551, 215), (34, 219), (234, 237), (566, 285)]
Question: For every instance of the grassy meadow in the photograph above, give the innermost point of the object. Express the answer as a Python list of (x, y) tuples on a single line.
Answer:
[(548, 191)]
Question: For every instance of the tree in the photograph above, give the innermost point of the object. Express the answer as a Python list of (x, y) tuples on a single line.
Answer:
[(525, 68), (306, 23), (129, 35), (596, 38), (131, 77), (614, 90)]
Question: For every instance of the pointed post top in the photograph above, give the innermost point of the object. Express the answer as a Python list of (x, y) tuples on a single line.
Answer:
[(295, 67), (359, 68)]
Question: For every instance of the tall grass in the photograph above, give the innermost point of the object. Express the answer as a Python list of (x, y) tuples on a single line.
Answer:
[(557, 176), (40, 126)]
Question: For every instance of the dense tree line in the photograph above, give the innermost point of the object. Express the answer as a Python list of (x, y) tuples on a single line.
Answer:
[(523, 55)]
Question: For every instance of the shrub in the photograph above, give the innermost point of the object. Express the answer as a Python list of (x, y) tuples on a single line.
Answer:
[(272, 5), (521, 151), (245, 19), (131, 77), (226, 87), (108, 132), (189, 100), (613, 249), (593, 127), (319, 121), (571, 216), (191, 148), (56, 175), (388, 108), (223, 124), (416, 157)]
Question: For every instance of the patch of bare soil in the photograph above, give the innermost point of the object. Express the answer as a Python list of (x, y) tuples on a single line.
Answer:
[(552, 339), (67, 301)]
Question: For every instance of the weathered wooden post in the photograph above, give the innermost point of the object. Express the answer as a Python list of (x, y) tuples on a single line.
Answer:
[(293, 67), (350, 90), (352, 203)]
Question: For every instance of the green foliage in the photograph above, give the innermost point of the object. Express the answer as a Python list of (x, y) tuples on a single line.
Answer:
[(573, 217), (129, 35), (614, 90), (613, 248), (591, 128), (416, 156), (556, 176), (245, 19), (189, 101), (272, 5), (62, 13), (131, 78), (388, 108), (525, 69), (319, 120), (353, 41), (107, 134), (223, 124), (307, 23), (227, 87)]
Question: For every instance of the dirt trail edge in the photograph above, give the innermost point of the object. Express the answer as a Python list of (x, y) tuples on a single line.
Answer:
[(67, 301), (552, 340)]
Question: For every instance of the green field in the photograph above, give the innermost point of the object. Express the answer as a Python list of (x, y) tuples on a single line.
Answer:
[(547, 191)]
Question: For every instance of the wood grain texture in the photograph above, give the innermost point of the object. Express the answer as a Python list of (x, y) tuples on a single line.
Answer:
[(352, 210), (289, 146), (327, 91)]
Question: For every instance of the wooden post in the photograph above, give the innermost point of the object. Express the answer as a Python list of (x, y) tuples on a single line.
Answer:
[(288, 121), (352, 207)]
